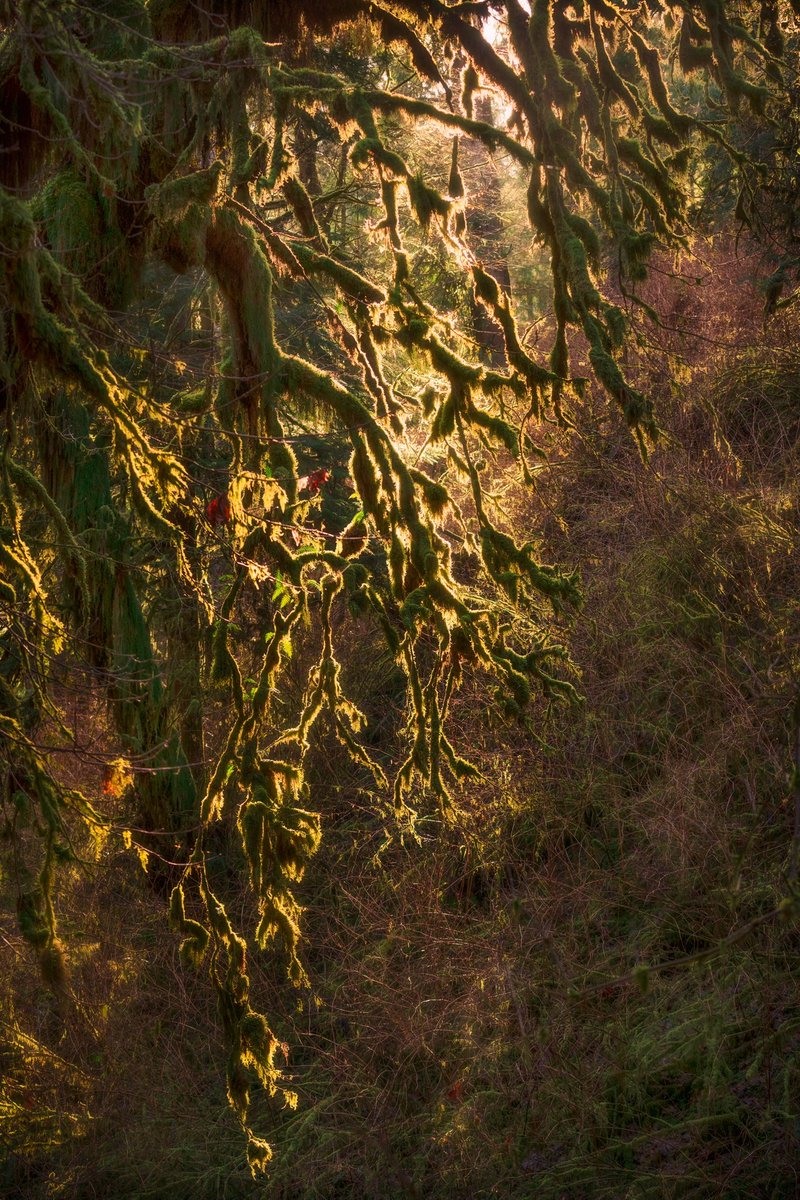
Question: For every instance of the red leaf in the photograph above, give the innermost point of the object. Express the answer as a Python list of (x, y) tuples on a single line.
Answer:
[(315, 480), (218, 510)]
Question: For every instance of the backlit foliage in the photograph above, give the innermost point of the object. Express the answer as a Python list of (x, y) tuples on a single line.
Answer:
[(139, 140)]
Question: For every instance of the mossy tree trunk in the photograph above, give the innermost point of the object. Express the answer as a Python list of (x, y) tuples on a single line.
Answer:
[(114, 632)]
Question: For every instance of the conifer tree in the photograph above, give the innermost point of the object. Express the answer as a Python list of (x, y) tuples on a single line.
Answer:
[(216, 143)]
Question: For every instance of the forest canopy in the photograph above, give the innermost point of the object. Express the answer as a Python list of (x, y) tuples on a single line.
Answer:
[(263, 356)]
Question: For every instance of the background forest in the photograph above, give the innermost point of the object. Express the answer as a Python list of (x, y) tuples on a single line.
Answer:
[(399, 577)]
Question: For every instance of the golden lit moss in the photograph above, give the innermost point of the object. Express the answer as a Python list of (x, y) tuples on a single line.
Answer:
[(169, 142)]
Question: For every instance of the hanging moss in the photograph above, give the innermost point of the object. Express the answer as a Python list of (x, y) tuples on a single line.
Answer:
[(426, 201), (82, 227), (167, 138)]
